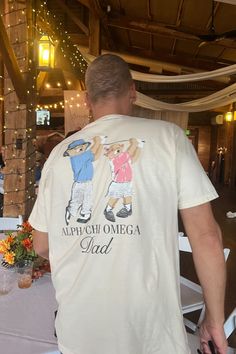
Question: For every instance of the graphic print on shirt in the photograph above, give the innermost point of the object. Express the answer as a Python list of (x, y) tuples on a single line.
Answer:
[(82, 158), (121, 161)]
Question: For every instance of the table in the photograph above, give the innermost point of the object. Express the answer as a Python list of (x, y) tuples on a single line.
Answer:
[(27, 319)]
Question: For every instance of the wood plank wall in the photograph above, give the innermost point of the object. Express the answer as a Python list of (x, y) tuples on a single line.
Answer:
[(19, 190)]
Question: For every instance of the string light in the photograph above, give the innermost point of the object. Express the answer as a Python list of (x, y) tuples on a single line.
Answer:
[(78, 64), (58, 33), (21, 135)]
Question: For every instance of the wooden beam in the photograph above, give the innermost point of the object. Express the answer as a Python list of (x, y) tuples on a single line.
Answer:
[(158, 29), (183, 62), (56, 92), (11, 64), (94, 38), (179, 13), (173, 47), (216, 8), (41, 80), (80, 39), (96, 9), (152, 27), (73, 17), (149, 13), (84, 2)]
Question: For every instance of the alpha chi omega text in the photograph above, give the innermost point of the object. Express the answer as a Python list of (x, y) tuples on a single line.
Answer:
[(89, 242)]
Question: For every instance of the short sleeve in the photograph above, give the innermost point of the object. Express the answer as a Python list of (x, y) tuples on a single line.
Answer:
[(38, 216), (193, 185)]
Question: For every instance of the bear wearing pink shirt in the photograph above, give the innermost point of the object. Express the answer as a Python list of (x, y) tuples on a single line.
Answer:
[(121, 185)]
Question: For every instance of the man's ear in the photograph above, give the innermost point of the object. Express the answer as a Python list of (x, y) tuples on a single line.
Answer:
[(87, 100)]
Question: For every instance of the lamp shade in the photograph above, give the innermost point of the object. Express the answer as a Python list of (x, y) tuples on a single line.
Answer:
[(46, 53), (229, 116)]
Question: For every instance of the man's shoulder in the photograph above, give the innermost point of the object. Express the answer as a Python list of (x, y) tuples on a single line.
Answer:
[(155, 124)]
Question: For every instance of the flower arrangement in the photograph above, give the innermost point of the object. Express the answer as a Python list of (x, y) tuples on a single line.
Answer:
[(18, 246)]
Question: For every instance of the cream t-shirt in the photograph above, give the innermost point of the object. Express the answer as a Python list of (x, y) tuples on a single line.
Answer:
[(109, 198)]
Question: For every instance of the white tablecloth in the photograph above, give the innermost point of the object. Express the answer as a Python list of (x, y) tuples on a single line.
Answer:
[(27, 319)]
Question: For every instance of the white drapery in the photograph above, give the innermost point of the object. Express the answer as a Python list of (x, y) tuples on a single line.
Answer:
[(77, 113), (179, 118), (209, 75), (202, 104), (218, 99)]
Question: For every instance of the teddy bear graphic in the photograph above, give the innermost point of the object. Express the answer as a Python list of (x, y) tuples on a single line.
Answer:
[(82, 158), (122, 174)]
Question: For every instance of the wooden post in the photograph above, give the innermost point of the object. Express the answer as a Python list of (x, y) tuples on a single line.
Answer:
[(94, 36), (233, 167), (1, 92), (228, 154), (20, 129), (1, 103), (213, 153)]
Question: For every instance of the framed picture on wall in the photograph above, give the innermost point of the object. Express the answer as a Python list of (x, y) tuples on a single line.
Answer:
[(43, 117)]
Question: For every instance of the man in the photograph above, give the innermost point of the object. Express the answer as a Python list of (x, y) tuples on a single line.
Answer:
[(117, 281)]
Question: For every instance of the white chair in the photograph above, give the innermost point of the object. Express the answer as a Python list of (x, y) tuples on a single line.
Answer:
[(191, 293), (194, 344), (229, 327), (230, 324), (10, 224)]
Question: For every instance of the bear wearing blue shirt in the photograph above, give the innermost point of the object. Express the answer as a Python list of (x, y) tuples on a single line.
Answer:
[(82, 165)]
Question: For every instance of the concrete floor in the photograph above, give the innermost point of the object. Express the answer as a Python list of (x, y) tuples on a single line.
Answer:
[(226, 202)]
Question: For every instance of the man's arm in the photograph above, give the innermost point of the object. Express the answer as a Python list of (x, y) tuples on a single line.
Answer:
[(40, 242), (206, 242)]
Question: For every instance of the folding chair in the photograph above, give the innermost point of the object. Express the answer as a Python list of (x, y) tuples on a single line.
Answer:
[(194, 344), (229, 327), (9, 223), (190, 292), (230, 324)]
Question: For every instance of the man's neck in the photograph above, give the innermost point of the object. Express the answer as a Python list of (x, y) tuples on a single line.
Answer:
[(109, 107)]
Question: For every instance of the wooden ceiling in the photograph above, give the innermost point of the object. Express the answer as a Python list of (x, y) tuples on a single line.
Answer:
[(168, 37)]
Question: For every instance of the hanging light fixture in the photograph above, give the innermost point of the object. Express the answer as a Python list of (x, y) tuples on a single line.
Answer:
[(234, 111), (229, 116), (46, 53)]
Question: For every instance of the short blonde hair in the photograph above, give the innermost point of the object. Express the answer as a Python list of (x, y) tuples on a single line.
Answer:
[(107, 76)]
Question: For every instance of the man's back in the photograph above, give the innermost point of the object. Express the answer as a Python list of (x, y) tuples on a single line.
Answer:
[(116, 271)]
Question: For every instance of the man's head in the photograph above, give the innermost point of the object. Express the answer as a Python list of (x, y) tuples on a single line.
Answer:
[(108, 78)]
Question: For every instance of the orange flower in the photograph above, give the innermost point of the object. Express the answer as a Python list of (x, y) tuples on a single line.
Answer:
[(10, 239), (4, 246), (9, 257), (18, 245), (26, 227), (27, 243)]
